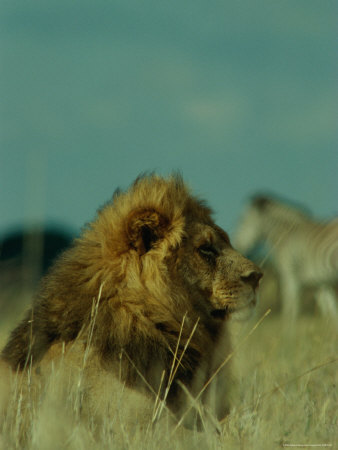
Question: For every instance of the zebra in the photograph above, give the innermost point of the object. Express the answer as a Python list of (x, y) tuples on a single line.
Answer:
[(304, 250)]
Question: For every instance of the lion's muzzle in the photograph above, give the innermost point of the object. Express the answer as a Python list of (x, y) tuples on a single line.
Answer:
[(235, 289)]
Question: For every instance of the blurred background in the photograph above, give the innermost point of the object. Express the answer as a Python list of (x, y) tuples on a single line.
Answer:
[(239, 96)]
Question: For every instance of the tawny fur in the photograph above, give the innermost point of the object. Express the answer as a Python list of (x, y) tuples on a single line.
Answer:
[(155, 267)]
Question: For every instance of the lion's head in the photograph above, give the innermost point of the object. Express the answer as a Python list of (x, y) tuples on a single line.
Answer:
[(159, 239)]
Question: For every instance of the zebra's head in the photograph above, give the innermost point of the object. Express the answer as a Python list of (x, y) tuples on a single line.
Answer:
[(267, 219), (250, 230)]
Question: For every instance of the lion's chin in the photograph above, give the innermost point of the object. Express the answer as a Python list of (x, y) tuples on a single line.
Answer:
[(245, 312), (237, 311)]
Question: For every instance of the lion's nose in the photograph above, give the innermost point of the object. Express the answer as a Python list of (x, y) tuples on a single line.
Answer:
[(252, 277)]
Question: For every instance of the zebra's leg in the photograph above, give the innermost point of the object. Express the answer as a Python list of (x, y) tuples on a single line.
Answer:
[(290, 294), (327, 302)]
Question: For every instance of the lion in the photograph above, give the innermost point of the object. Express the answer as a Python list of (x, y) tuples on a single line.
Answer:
[(149, 287)]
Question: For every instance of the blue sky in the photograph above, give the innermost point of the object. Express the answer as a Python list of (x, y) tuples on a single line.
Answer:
[(240, 96)]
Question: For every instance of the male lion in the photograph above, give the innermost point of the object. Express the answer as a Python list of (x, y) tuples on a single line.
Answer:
[(149, 287)]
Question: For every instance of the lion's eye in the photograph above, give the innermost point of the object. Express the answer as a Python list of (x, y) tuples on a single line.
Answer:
[(208, 252)]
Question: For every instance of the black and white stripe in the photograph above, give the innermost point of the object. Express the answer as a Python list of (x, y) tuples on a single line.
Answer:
[(305, 251)]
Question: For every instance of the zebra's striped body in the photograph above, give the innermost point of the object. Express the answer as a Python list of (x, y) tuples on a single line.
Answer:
[(305, 251)]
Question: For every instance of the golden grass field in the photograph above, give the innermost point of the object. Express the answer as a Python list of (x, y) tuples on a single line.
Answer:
[(284, 393)]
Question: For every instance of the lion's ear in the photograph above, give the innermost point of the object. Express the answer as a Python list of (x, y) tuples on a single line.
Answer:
[(145, 228)]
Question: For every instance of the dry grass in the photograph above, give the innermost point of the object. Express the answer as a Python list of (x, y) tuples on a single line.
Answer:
[(278, 399)]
